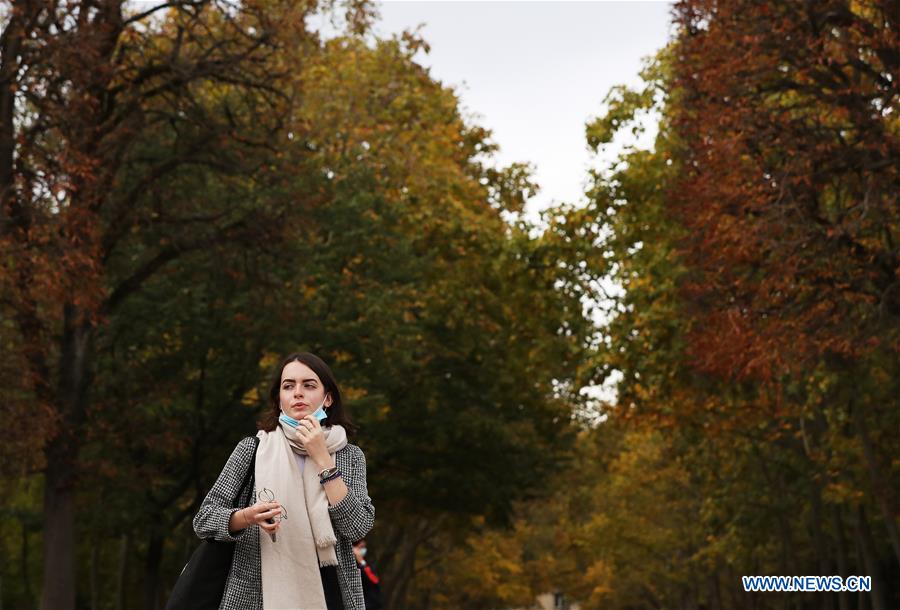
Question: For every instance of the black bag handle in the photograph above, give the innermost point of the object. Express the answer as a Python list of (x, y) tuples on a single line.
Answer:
[(247, 483)]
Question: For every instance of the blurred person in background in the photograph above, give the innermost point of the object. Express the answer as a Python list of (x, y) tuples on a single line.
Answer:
[(370, 581)]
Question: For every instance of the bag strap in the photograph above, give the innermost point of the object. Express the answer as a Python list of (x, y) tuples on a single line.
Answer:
[(247, 483)]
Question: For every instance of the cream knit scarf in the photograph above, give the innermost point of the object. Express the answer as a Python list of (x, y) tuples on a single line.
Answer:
[(305, 540)]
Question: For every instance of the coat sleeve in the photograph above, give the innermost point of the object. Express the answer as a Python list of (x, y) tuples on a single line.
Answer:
[(211, 521), (354, 516)]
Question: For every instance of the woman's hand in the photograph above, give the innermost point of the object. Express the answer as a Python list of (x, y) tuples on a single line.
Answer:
[(313, 438), (260, 514)]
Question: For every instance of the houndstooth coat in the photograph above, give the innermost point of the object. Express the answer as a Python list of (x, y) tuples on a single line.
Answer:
[(352, 518)]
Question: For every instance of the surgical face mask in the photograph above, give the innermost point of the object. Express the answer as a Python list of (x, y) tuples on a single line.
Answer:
[(362, 551), (319, 414)]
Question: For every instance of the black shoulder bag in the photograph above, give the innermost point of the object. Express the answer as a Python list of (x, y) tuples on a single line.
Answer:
[(202, 581)]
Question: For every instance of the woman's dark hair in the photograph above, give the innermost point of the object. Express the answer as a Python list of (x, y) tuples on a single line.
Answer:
[(337, 416)]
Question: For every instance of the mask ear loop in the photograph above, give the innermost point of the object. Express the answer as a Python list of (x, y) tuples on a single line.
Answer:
[(323, 409)]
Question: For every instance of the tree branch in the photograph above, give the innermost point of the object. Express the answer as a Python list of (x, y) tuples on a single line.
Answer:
[(171, 252)]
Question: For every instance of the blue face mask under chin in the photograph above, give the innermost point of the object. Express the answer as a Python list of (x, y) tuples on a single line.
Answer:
[(319, 414)]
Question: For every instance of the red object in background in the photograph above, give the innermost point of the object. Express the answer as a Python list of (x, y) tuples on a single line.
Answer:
[(370, 574)]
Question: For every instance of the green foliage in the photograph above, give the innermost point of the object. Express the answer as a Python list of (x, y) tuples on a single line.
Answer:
[(361, 222), (714, 463)]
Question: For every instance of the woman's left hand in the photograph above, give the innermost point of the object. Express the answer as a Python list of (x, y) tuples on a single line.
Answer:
[(313, 438)]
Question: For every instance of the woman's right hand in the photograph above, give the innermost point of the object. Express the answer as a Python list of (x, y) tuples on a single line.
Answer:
[(260, 514)]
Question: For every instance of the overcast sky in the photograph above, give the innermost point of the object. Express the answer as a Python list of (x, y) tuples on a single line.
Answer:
[(535, 72)]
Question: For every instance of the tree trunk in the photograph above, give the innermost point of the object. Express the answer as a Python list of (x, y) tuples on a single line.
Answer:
[(124, 552), (95, 589), (397, 576), (151, 571), (58, 590), (842, 560), (715, 592), (819, 542), (390, 538), (870, 559), (878, 487), (26, 580), (13, 38), (403, 542), (396, 594)]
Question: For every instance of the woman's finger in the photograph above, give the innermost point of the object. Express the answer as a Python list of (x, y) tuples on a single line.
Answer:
[(261, 509)]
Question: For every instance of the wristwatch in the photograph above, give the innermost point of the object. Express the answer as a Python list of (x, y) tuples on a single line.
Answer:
[(324, 474)]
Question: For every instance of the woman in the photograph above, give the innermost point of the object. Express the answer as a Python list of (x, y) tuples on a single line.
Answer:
[(294, 544)]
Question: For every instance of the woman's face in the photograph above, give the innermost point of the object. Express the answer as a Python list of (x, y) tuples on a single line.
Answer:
[(301, 390)]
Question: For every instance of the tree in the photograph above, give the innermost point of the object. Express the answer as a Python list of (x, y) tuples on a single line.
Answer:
[(447, 322), (84, 86), (790, 195)]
